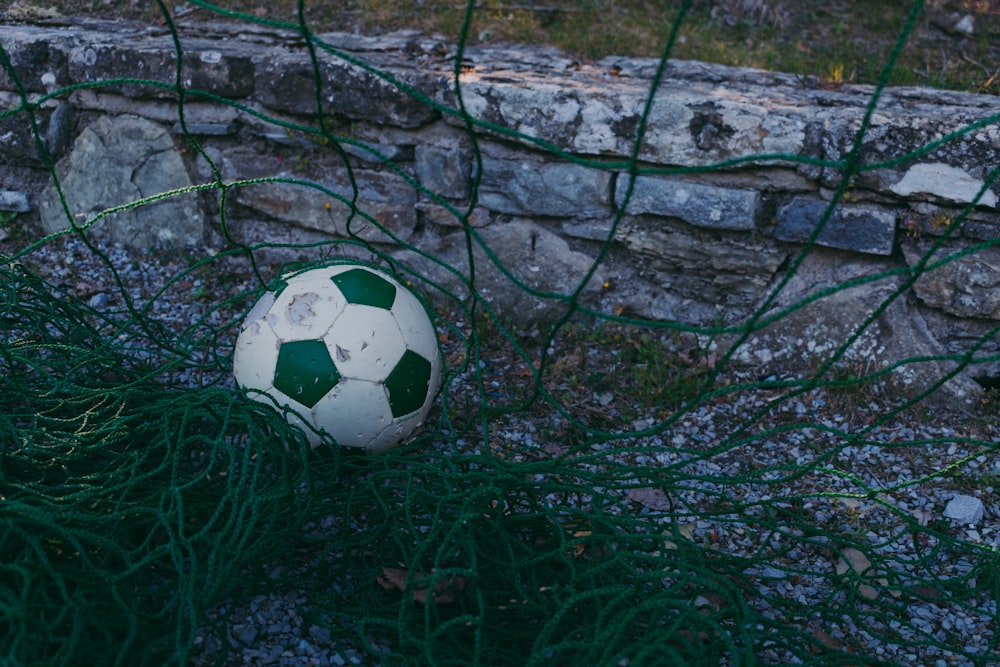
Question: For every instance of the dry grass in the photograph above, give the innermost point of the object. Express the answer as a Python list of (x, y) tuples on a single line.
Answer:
[(836, 40)]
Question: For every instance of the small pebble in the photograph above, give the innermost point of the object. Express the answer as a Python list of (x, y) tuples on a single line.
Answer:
[(964, 509)]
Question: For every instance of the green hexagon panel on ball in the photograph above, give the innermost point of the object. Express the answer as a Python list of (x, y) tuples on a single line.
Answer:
[(348, 349)]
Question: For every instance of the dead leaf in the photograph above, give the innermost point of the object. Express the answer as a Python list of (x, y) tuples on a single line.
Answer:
[(654, 499), (581, 530), (524, 371), (577, 530), (894, 592), (445, 591), (826, 639), (686, 531), (850, 503), (698, 358), (84, 289), (555, 449), (711, 602), (855, 560), (392, 578), (867, 592), (928, 593)]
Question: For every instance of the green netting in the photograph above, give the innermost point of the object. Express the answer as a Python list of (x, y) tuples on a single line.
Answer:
[(142, 495)]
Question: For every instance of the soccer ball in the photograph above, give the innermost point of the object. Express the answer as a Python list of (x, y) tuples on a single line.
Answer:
[(348, 350)]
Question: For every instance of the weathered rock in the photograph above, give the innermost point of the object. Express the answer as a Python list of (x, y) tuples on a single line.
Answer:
[(548, 111), (946, 182), (723, 269), (277, 243), (861, 228), (544, 269), (964, 509), (557, 189), (699, 204), (118, 161), (14, 200), (312, 189), (965, 285), (952, 172), (868, 326), (59, 134), (384, 203), (286, 82), (599, 113), (445, 172), (378, 152), (959, 335), (40, 59), (205, 129), (436, 214), (979, 226), (17, 143), (208, 66), (965, 25), (160, 111)]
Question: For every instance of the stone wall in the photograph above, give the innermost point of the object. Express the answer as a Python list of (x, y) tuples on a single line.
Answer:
[(738, 168)]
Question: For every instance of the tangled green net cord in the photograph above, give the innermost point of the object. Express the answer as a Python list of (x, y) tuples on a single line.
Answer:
[(132, 505)]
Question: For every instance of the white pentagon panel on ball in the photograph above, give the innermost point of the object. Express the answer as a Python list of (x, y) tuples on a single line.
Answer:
[(306, 306), (365, 342), (354, 413), (256, 350)]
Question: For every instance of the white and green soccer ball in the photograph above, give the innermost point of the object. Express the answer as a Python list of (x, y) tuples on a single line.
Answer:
[(348, 350)]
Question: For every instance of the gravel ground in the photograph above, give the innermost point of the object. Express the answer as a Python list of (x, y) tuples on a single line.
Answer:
[(865, 477), (803, 569)]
